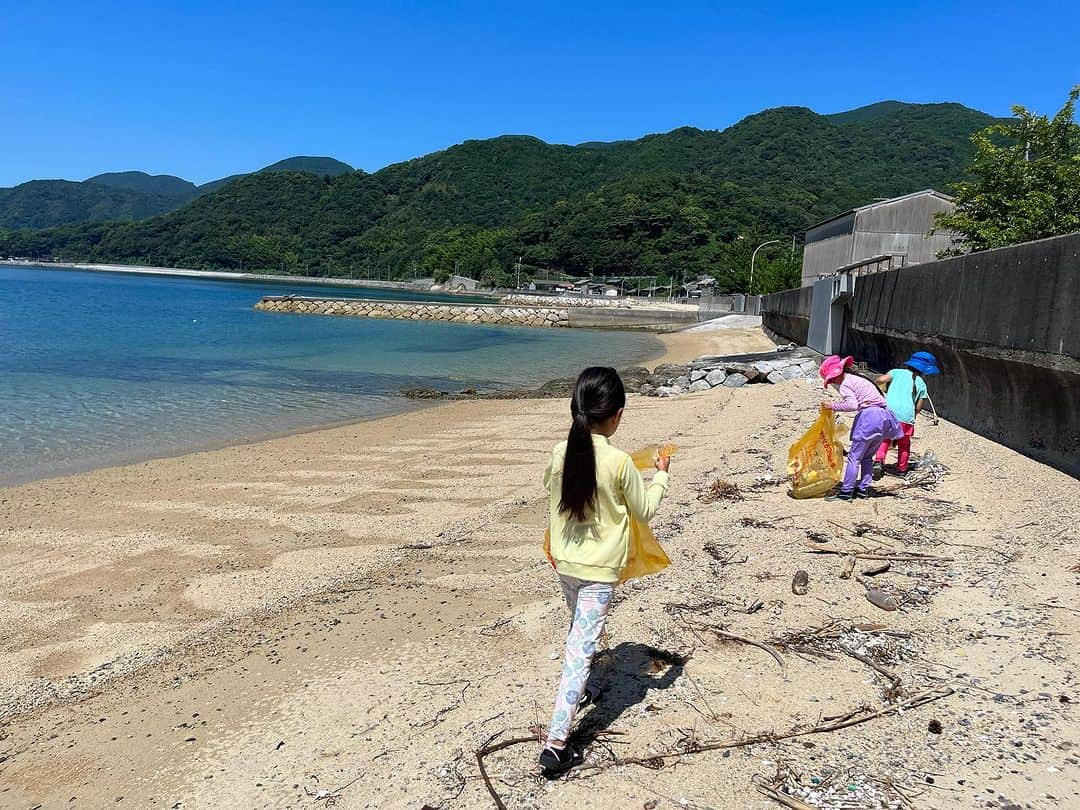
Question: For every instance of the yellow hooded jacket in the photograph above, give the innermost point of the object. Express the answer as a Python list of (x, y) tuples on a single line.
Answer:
[(597, 549)]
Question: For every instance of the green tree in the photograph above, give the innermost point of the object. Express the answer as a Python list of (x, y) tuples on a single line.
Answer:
[(1026, 182)]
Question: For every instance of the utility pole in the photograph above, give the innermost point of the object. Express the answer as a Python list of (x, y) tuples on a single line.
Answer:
[(519, 272)]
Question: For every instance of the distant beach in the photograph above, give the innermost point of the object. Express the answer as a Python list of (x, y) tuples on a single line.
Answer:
[(221, 275)]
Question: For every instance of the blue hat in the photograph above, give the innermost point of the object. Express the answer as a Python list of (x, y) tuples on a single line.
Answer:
[(924, 363)]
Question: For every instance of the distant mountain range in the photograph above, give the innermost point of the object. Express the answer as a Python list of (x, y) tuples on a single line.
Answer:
[(124, 195), (684, 202)]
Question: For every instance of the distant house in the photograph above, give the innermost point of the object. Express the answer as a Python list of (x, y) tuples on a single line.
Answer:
[(882, 235), (553, 285), (590, 287), (699, 287)]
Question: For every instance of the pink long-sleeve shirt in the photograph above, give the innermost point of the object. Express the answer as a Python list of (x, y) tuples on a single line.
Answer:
[(857, 393)]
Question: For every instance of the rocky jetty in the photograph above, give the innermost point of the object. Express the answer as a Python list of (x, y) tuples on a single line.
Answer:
[(491, 314)]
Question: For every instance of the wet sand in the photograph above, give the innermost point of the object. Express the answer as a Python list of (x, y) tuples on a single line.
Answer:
[(341, 617)]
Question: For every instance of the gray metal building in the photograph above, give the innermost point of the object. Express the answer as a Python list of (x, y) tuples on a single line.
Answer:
[(883, 235)]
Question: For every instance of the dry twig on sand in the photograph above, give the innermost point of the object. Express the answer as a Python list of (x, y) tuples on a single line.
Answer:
[(724, 634), (879, 554)]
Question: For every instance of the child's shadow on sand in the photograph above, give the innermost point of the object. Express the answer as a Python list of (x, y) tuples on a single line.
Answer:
[(626, 674)]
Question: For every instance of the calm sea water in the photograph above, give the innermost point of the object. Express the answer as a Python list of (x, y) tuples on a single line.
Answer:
[(98, 368)]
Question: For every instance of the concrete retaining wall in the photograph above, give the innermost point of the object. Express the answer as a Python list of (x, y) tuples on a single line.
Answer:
[(653, 320), (713, 306), (1004, 325), (787, 314), (405, 310)]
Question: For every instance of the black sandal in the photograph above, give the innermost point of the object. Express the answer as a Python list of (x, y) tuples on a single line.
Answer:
[(590, 697), (555, 761)]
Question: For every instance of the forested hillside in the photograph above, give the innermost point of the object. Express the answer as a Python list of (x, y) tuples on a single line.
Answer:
[(44, 203), (123, 196), (668, 205)]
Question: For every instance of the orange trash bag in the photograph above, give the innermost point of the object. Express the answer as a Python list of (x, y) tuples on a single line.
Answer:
[(645, 555), (645, 458), (816, 461)]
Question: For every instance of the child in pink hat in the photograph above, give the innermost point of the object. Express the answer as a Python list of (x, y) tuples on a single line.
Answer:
[(874, 423)]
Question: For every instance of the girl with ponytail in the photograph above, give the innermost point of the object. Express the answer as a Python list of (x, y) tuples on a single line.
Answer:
[(595, 491)]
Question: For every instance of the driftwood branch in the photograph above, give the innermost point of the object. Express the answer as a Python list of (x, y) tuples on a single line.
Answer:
[(491, 747)]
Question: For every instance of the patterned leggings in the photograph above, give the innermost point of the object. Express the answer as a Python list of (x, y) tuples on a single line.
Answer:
[(589, 602)]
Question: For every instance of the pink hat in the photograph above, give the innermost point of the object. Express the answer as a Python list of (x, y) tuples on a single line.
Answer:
[(833, 366)]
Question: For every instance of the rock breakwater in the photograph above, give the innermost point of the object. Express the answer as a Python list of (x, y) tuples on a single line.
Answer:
[(735, 371), (489, 314)]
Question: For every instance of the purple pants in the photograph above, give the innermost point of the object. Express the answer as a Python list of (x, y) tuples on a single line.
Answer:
[(872, 426)]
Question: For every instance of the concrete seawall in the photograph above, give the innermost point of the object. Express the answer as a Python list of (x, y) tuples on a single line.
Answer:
[(787, 314), (1002, 323)]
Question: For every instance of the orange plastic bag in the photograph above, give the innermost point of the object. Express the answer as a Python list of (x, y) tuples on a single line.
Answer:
[(816, 461), (645, 555), (645, 458)]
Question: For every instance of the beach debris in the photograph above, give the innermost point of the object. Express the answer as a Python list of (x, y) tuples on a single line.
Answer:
[(934, 726), (756, 523), (497, 629), (875, 570), (879, 598), (833, 790), (722, 553), (927, 474), (800, 583), (848, 567), (720, 490), (689, 744)]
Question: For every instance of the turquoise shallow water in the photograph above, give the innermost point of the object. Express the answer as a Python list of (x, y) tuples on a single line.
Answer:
[(98, 368)]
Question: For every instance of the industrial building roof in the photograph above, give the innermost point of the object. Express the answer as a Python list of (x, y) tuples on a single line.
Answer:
[(876, 203)]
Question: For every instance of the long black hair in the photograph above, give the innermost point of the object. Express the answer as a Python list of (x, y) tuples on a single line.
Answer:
[(598, 396)]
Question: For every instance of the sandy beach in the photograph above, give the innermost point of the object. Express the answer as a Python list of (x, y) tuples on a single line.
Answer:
[(341, 618)]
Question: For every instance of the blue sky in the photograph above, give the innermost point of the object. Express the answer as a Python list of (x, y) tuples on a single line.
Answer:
[(205, 89)]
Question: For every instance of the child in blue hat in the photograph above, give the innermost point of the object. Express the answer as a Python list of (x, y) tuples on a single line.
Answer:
[(905, 397)]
